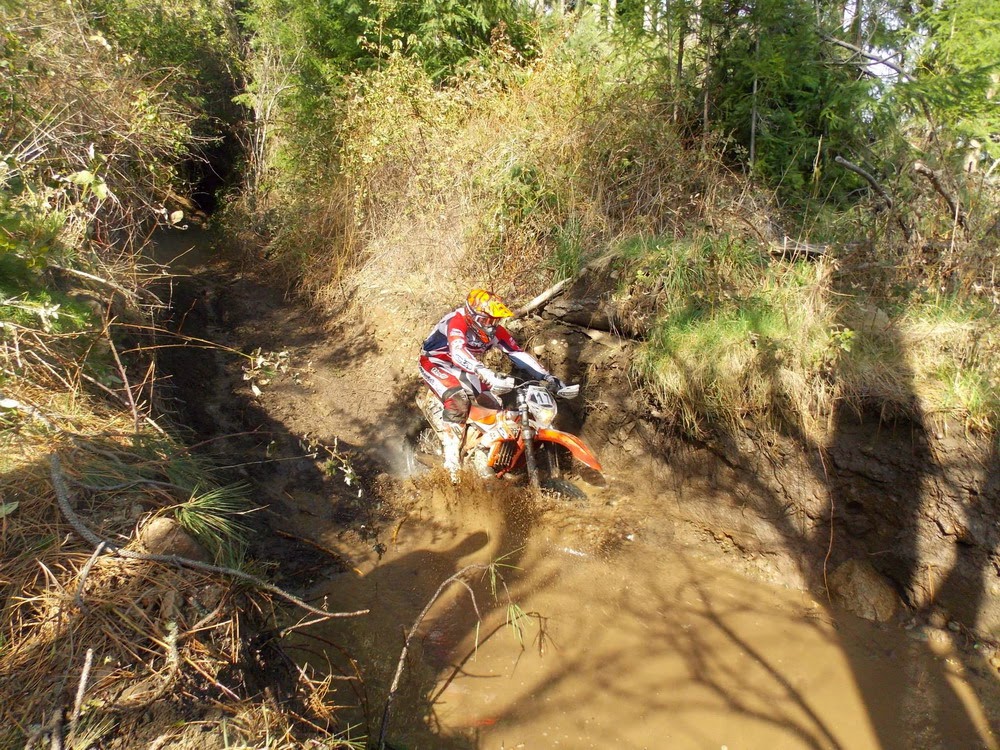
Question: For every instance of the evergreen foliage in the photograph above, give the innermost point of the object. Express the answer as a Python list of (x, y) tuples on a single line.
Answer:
[(782, 99), (957, 74)]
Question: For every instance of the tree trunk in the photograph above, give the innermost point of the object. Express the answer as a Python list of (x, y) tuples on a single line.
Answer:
[(705, 89), (753, 110), (678, 80)]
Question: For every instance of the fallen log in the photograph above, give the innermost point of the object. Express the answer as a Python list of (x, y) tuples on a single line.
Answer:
[(789, 247), (560, 286)]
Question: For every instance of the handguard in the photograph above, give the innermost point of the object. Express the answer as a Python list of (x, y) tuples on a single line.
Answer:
[(501, 386), (569, 391)]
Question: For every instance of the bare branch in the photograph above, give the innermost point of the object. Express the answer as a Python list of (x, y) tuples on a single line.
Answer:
[(409, 637), (871, 180), (878, 189), (558, 287), (81, 688), (872, 59), (106, 282), (542, 298), (934, 177)]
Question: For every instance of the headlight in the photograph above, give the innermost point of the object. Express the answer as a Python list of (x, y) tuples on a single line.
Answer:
[(542, 406), (544, 415)]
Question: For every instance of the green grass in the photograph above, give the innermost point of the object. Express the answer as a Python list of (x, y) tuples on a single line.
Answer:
[(209, 512), (723, 363), (736, 340), (954, 350), (212, 517), (567, 256)]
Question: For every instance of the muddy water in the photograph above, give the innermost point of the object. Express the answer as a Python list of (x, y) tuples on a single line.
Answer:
[(645, 646)]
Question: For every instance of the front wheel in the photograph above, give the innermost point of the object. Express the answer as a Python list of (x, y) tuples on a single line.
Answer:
[(563, 488)]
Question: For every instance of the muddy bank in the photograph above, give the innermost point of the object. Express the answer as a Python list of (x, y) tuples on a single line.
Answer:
[(917, 506), (920, 509)]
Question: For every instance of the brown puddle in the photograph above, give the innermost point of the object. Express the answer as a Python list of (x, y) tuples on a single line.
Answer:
[(645, 646)]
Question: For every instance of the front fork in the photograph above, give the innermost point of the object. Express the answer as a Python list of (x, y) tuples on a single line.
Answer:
[(528, 436)]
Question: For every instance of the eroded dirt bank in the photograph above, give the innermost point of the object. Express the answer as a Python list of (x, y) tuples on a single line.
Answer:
[(664, 611)]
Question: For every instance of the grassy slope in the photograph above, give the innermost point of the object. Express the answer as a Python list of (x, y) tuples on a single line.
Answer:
[(516, 175)]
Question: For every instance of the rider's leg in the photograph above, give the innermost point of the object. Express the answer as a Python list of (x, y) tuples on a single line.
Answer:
[(448, 420), (456, 411)]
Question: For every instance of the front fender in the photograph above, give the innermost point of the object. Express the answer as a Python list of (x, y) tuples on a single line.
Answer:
[(573, 444)]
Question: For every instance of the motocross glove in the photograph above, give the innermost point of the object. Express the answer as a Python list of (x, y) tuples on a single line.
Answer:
[(553, 384), (558, 387), (497, 384)]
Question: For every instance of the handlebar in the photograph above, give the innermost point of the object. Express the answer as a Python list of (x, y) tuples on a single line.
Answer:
[(567, 391)]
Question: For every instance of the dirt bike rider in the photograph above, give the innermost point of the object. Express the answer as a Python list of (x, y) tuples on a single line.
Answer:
[(450, 366)]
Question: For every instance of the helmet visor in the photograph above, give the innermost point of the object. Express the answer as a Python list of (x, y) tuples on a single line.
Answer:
[(485, 323)]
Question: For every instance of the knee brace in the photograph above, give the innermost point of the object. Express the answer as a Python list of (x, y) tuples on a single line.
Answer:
[(456, 405)]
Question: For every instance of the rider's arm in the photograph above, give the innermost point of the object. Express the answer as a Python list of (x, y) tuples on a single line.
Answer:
[(457, 328), (518, 356)]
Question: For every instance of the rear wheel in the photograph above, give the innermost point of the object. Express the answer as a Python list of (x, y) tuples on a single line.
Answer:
[(429, 443)]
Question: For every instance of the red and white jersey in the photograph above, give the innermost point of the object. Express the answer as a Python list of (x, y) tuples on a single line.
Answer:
[(454, 340)]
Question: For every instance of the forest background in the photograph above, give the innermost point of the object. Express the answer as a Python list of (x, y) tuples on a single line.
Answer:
[(798, 201)]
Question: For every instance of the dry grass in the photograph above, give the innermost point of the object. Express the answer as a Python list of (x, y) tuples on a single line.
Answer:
[(156, 636), (91, 644), (82, 113), (511, 178), (159, 635)]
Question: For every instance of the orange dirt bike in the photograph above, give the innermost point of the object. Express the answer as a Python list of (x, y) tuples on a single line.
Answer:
[(517, 439)]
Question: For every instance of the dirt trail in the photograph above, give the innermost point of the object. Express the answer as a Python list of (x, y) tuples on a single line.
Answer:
[(635, 633)]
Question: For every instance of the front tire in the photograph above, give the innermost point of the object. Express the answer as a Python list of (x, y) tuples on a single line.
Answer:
[(564, 489)]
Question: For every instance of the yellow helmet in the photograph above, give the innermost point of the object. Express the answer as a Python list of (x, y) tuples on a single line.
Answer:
[(483, 310)]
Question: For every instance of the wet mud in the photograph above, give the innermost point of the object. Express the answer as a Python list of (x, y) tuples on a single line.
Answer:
[(637, 618)]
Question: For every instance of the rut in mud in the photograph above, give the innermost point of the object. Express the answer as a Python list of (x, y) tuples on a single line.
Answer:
[(666, 610)]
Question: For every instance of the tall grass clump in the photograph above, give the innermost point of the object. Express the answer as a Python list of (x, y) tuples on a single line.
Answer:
[(953, 343), (740, 337), (734, 338)]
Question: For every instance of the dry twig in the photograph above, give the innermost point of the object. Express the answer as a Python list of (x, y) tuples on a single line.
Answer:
[(81, 688), (457, 578)]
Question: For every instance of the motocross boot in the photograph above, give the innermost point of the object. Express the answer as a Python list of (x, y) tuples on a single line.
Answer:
[(481, 462), (431, 408), (452, 437)]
